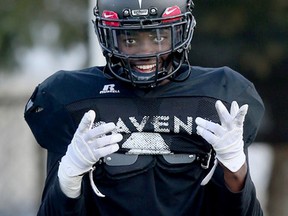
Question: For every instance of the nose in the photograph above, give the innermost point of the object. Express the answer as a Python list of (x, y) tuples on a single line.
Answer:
[(146, 47)]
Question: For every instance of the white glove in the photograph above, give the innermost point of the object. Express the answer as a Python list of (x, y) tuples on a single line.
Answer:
[(86, 148), (227, 138)]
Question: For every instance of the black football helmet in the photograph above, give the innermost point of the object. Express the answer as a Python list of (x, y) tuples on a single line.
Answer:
[(122, 25)]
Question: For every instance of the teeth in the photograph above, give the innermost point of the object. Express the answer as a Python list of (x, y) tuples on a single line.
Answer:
[(146, 67)]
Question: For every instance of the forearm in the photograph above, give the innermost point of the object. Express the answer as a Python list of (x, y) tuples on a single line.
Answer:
[(244, 201), (227, 202), (235, 180)]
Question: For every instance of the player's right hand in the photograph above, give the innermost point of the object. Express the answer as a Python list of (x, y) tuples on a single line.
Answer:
[(86, 148)]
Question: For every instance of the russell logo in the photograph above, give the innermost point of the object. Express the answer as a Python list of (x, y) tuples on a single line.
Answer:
[(109, 89)]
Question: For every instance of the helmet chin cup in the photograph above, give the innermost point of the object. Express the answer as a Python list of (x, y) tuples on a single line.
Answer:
[(149, 80)]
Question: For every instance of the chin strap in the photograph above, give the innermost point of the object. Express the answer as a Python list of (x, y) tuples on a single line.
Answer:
[(94, 187), (210, 174)]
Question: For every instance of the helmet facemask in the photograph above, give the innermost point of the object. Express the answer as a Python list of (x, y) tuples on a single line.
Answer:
[(145, 51)]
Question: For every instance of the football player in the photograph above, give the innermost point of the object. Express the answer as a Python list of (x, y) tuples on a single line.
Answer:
[(148, 134)]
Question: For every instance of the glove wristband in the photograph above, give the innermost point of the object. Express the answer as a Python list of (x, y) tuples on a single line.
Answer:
[(70, 185), (235, 163)]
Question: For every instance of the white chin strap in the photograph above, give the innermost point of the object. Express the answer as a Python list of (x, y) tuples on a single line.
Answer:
[(210, 174)]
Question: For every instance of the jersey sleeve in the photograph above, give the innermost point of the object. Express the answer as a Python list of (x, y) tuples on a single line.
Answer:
[(222, 201), (49, 121), (238, 88), (231, 86), (53, 130), (254, 115)]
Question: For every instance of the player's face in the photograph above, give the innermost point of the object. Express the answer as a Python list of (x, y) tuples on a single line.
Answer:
[(145, 42)]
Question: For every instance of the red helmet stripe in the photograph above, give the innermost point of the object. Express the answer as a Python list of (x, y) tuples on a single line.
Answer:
[(110, 15), (171, 11)]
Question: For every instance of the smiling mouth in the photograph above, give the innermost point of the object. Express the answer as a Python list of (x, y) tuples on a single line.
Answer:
[(145, 68)]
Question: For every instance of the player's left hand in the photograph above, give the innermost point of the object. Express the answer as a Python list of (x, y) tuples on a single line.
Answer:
[(226, 138)]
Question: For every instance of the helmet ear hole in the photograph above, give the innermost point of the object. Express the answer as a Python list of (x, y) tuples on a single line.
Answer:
[(115, 60), (178, 54)]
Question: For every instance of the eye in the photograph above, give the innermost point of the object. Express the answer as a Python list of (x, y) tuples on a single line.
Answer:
[(130, 41), (159, 39), (159, 36)]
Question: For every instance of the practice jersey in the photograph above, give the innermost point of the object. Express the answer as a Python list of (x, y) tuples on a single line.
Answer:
[(161, 161)]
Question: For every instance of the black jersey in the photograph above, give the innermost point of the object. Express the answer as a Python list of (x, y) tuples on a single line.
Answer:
[(143, 178)]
